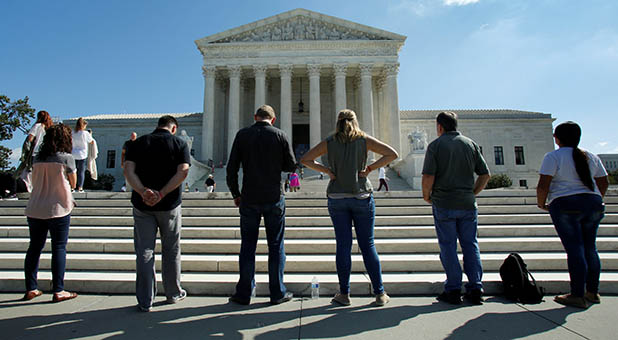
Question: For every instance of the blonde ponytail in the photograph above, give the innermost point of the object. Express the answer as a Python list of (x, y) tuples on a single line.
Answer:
[(347, 129)]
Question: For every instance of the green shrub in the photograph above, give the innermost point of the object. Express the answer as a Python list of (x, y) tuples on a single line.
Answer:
[(499, 181), (613, 177), (103, 182)]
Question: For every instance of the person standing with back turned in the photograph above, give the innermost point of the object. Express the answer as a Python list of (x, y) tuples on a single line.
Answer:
[(573, 182), (449, 186), (156, 165), (264, 152)]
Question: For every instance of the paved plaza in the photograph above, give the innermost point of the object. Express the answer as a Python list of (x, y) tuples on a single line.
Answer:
[(105, 317)]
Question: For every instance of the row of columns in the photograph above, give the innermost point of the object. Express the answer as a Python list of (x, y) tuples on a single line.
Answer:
[(285, 114)]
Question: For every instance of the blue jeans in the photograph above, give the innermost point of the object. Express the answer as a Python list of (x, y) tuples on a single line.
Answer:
[(274, 221), (576, 219), (453, 224), (80, 164), (362, 212), (59, 230)]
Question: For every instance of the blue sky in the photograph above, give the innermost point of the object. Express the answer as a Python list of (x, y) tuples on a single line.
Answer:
[(77, 58)]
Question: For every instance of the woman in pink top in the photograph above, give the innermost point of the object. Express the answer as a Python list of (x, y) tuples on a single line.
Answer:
[(49, 209)]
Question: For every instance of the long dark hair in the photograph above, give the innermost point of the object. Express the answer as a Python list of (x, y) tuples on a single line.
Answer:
[(57, 139), (44, 118), (569, 134)]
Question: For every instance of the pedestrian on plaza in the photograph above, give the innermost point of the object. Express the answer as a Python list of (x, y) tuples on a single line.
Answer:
[(383, 179), (31, 148), (294, 181), (81, 140), (156, 200), (448, 185), (93, 153), (123, 154), (49, 210), (264, 152), (571, 187), (210, 184), (350, 198)]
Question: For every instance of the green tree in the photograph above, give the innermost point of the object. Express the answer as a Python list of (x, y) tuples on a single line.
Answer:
[(13, 116)]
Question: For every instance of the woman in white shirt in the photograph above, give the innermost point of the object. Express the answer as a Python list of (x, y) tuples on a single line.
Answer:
[(81, 139), (574, 183), (37, 132)]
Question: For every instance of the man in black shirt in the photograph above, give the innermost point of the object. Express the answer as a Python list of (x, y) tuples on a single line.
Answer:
[(264, 152), (156, 165)]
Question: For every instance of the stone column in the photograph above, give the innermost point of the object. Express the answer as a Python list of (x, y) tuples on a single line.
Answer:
[(233, 118), (315, 135), (208, 130), (392, 104), (366, 98), (260, 85), (340, 91), (285, 115)]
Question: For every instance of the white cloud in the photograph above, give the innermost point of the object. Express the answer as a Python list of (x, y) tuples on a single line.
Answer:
[(15, 154), (603, 144), (459, 2), (417, 7)]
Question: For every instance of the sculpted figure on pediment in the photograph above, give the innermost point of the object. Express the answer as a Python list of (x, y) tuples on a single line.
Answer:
[(334, 34), (266, 35), (299, 31), (310, 33), (288, 32), (276, 33)]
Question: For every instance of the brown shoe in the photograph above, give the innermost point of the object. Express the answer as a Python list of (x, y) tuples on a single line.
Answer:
[(592, 297), (570, 300), (31, 294), (342, 299), (382, 299), (63, 296)]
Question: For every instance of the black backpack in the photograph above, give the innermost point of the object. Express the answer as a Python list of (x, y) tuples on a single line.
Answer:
[(519, 284)]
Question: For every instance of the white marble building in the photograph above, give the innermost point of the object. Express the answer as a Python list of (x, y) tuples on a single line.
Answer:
[(610, 160), (308, 66)]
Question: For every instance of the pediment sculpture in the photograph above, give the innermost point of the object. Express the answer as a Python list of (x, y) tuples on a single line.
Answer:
[(300, 28)]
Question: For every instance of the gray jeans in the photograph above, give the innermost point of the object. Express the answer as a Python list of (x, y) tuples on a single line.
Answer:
[(145, 235)]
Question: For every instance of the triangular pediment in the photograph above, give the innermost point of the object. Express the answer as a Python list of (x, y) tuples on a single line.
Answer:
[(299, 25)]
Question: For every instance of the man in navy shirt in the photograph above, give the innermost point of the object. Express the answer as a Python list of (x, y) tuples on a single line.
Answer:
[(264, 152), (156, 165)]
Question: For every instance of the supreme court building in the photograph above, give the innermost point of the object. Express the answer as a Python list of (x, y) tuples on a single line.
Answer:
[(308, 66)]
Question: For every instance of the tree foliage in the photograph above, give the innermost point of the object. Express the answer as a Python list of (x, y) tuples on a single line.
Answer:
[(13, 116)]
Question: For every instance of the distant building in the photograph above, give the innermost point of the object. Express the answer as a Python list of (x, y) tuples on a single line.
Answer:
[(610, 161), (308, 66)]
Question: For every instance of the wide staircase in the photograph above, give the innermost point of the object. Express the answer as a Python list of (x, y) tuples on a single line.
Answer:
[(100, 255)]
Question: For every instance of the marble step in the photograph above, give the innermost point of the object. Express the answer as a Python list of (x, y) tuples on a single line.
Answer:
[(233, 232), (540, 218), (301, 263), (305, 211), (298, 202), (223, 284), (313, 246)]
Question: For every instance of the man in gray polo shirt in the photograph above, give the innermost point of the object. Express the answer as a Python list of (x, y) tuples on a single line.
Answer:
[(449, 186)]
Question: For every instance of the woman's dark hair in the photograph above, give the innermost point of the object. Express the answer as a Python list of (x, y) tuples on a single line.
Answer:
[(80, 124), (57, 139), (569, 134), (44, 118)]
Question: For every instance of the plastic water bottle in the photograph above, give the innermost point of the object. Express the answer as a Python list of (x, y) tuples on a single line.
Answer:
[(253, 293), (315, 288)]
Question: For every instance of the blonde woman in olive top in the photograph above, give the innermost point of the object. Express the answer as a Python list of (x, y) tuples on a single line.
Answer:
[(350, 199)]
